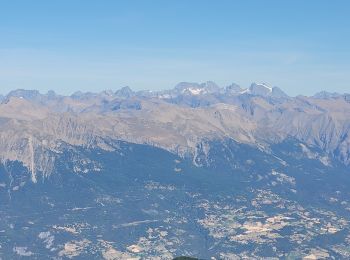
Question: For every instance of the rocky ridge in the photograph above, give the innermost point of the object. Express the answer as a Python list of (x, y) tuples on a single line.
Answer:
[(36, 128)]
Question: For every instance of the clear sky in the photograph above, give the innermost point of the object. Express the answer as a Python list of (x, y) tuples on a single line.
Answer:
[(67, 45)]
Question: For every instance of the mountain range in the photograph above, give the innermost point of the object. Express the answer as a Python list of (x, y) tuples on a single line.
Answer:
[(197, 170), (181, 120)]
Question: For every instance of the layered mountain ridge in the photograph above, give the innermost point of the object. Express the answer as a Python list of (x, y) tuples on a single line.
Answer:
[(36, 128)]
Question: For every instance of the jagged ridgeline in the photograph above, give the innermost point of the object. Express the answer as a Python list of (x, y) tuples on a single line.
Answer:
[(198, 170)]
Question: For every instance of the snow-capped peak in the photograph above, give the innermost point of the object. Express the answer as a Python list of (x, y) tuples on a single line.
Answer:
[(262, 89), (194, 91)]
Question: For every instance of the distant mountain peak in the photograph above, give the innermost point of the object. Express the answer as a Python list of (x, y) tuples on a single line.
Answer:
[(107, 92), (196, 88), (51, 94), (326, 95), (24, 93), (264, 90), (260, 89), (210, 86), (233, 89), (125, 92), (185, 85), (278, 93)]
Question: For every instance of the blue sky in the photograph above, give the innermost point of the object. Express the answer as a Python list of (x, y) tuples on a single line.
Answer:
[(68, 45)]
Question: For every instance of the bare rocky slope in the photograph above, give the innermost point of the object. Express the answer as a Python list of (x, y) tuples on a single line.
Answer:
[(35, 128)]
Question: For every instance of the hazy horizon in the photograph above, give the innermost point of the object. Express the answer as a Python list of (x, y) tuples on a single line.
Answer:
[(99, 90), (301, 47)]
